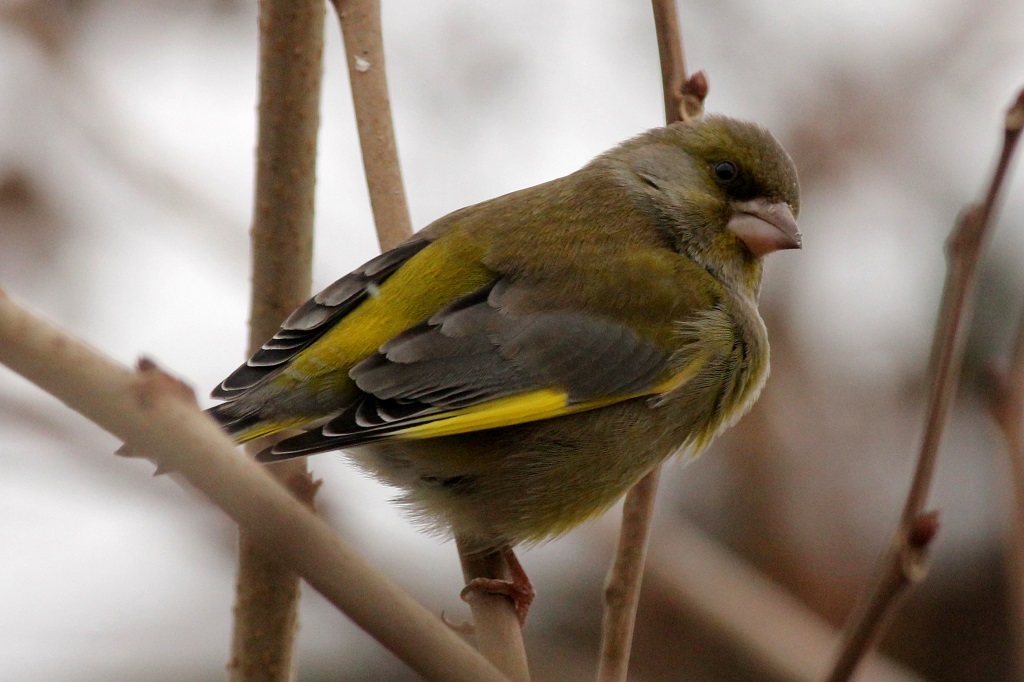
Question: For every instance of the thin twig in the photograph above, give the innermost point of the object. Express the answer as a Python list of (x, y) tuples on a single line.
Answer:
[(496, 624), (906, 561), (364, 55), (622, 586), (364, 50), (1007, 408), (157, 417), (684, 100), (291, 51), (671, 57), (684, 97)]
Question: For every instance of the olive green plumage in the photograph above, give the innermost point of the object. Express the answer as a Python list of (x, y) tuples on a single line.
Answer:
[(517, 365)]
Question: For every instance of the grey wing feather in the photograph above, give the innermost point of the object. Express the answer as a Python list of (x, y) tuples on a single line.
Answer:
[(311, 320), (480, 348)]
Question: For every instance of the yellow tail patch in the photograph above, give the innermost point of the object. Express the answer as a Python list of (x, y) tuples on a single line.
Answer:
[(267, 429)]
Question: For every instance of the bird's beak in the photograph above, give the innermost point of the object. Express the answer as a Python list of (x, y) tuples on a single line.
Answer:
[(764, 227)]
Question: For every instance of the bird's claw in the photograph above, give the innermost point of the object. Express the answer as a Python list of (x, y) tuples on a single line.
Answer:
[(464, 628)]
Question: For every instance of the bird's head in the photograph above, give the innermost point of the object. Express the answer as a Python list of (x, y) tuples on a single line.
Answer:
[(723, 191)]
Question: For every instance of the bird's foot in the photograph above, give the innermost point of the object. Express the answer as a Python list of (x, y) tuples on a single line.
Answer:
[(519, 588)]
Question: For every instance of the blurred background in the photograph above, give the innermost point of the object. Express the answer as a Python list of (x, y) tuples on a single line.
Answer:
[(126, 165)]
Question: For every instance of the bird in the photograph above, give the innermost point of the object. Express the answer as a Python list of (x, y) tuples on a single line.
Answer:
[(517, 365)]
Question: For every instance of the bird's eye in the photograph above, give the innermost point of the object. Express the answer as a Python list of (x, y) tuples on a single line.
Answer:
[(726, 171)]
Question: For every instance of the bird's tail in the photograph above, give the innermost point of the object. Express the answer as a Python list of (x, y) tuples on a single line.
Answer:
[(248, 426)]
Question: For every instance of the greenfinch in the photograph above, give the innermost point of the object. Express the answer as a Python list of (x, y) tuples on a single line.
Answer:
[(517, 365)]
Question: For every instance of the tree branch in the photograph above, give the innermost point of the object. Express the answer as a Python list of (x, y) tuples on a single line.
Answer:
[(364, 55), (684, 100), (364, 50), (291, 52), (1007, 408), (684, 97), (156, 415), (496, 625), (906, 561), (720, 592), (622, 586)]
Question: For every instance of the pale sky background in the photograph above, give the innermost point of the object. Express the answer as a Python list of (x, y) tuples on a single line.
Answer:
[(138, 132)]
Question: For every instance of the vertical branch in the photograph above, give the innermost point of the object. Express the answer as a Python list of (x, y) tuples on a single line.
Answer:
[(670, 55), (291, 51), (906, 561), (684, 100), (684, 97), (622, 587), (1007, 408), (364, 55), (360, 21), (495, 622)]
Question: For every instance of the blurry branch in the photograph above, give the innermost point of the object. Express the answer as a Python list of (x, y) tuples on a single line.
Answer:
[(906, 561), (131, 150), (1007, 407), (118, 140), (622, 586), (291, 52), (364, 55), (39, 418), (496, 623), (695, 575), (156, 416), (684, 100)]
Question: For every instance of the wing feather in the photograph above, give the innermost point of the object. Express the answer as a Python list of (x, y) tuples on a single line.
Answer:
[(315, 317), (481, 362)]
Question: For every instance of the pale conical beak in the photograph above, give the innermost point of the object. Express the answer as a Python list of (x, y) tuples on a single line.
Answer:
[(764, 227)]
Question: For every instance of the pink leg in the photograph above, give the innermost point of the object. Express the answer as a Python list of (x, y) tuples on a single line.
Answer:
[(519, 589)]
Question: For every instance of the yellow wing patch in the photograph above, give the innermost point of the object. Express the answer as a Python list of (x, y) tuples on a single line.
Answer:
[(544, 403), (516, 409), (453, 268)]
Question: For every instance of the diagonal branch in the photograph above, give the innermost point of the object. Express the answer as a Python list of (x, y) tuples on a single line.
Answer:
[(702, 582), (906, 561), (157, 417)]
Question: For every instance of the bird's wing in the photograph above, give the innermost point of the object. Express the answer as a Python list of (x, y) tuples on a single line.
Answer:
[(482, 363), (317, 316)]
